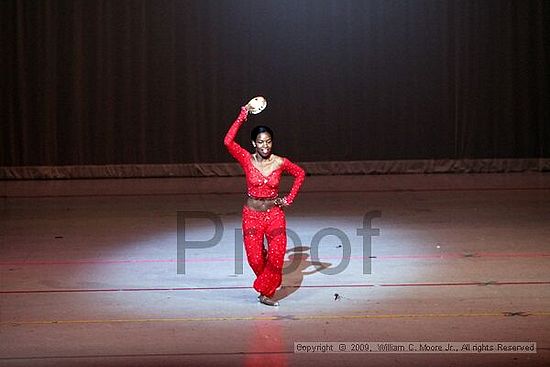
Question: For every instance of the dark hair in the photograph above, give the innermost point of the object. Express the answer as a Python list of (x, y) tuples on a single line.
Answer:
[(258, 130)]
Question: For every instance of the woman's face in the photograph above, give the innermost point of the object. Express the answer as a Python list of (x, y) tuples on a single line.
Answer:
[(263, 145)]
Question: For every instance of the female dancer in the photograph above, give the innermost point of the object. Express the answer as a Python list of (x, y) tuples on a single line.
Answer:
[(262, 213)]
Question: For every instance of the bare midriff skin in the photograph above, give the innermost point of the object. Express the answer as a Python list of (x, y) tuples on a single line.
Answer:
[(260, 205)]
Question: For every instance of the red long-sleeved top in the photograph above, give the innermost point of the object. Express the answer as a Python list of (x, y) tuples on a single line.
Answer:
[(258, 184)]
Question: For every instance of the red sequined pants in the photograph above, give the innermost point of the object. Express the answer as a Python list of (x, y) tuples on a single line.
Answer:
[(266, 264)]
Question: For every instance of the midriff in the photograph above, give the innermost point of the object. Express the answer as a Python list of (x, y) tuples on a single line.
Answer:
[(260, 204)]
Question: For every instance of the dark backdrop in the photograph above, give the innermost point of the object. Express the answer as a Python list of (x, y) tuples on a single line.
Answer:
[(129, 82)]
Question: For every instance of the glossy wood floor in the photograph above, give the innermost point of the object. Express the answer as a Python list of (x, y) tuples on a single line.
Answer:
[(89, 272)]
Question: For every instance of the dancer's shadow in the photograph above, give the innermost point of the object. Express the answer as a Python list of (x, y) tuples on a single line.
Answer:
[(295, 268)]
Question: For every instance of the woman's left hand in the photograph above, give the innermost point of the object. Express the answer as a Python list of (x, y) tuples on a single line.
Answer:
[(281, 202)]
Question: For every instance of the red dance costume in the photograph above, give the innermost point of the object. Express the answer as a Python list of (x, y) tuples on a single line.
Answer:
[(267, 265)]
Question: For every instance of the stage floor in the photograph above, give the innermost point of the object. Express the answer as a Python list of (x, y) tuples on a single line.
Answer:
[(89, 272)]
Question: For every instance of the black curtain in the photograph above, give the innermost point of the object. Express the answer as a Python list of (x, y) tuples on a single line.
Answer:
[(147, 82)]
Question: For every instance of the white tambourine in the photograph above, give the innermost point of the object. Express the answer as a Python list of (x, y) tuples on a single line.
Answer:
[(257, 105)]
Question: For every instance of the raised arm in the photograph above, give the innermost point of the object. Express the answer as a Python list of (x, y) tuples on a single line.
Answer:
[(238, 152), (299, 176)]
